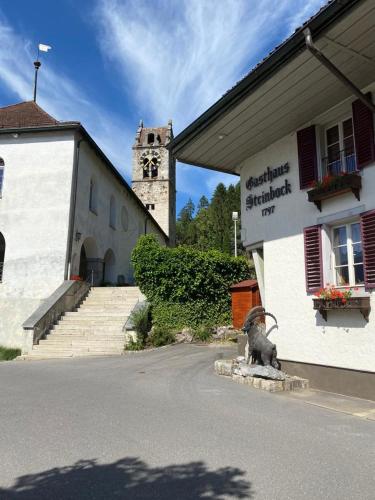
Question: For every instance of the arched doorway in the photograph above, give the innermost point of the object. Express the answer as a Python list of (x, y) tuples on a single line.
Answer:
[(2, 255), (90, 265), (109, 267)]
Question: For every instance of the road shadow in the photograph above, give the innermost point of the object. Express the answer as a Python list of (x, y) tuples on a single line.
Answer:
[(130, 478)]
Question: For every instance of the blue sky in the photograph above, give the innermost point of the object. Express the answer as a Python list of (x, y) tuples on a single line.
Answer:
[(114, 62)]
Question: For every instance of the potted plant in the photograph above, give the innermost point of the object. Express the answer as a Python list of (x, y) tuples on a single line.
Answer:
[(329, 298), (333, 185)]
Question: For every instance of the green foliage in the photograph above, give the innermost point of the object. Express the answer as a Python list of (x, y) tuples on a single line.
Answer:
[(142, 323), (185, 286), (203, 332), (211, 226), (6, 353), (161, 336), (134, 345)]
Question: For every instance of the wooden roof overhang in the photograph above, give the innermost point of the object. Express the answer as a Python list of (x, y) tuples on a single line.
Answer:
[(286, 91)]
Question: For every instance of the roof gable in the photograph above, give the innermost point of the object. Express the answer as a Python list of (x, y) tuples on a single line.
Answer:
[(25, 114)]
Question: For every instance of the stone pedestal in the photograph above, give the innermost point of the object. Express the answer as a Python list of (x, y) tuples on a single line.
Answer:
[(228, 367)]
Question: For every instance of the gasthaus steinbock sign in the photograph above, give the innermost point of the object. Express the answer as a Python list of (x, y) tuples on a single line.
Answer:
[(269, 193)]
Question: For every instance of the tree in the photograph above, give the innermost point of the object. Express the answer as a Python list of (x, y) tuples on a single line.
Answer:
[(185, 227), (211, 226)]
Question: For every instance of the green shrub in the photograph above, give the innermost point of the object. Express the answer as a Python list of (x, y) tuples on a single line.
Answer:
[(134, 345), (203, 333), (142, 323), (6, 353), (185, 286), (161, 336)]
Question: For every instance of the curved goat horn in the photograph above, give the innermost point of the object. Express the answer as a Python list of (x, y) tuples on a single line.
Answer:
[(254, 311), (255, 315)]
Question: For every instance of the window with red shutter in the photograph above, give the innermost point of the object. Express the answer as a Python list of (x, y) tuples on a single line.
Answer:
[(313, 258), (363, 122), (307, 157), (368, 243)]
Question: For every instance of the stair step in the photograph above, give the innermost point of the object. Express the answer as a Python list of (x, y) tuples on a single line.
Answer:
[(100, 330), (92, 321), (96, 314)]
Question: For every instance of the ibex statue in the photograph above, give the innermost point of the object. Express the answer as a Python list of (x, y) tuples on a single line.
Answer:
[(262, 350)]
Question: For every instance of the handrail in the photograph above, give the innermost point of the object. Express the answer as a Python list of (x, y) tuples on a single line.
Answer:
[(65, 298)]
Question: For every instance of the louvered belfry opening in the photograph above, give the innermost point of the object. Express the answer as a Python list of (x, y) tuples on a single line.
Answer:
[(313, 258), (368, 245)]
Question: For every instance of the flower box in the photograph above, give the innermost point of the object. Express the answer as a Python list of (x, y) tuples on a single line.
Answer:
[(334, 186), (360, 303)]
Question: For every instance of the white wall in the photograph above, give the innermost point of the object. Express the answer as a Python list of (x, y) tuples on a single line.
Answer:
[(345, 340), (34, 212), (96, 226)]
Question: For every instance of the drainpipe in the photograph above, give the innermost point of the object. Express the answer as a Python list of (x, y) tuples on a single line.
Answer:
[(72, 212), (335, 71)]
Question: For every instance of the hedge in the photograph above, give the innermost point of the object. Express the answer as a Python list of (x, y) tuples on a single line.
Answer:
[(187, 287)]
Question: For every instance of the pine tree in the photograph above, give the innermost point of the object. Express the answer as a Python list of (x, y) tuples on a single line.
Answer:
[(185, 226)]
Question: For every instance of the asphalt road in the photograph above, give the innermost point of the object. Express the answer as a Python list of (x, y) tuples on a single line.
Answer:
[(162, 425)]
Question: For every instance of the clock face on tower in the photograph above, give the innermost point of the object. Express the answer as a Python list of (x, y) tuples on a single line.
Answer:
[(150, 162)]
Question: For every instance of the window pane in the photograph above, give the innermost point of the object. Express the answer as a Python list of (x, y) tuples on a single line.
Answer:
[(358, 273), (356, 232), (333, 153), (349, 146), (339, 236), (341, 256), (342, 276), (357, 253), (347, 126), (333, 135)]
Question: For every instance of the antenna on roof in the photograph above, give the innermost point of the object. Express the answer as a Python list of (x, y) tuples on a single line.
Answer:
[(37, 65)]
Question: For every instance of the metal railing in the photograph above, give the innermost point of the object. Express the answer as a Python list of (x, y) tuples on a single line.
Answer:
[(345, 163)]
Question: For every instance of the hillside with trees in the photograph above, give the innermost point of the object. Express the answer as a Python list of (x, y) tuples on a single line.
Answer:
[(209, 225)]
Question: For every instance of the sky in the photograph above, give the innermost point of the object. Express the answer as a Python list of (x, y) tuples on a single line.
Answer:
[(114, 62)]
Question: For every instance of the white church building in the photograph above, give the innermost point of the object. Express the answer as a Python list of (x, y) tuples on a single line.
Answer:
[(67, 213)]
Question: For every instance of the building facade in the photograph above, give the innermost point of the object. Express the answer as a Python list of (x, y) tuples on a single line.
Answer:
[(301, 136), (65, 212)]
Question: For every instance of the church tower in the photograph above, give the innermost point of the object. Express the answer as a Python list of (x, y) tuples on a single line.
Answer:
[(154, 175)]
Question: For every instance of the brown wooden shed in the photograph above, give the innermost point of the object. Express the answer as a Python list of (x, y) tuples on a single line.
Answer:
[(245, 295)]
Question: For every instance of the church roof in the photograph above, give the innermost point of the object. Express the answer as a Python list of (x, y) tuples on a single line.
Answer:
[(25, 114)]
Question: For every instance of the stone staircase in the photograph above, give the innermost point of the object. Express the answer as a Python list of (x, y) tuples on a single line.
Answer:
[(94, 329)]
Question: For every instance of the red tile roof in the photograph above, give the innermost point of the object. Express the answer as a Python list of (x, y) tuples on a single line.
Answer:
[(245, 284), (25, 114)]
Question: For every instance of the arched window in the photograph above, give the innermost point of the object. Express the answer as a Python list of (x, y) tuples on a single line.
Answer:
[(150, 139), (2, 255), (93, 202), (112, 212), (2, 164)]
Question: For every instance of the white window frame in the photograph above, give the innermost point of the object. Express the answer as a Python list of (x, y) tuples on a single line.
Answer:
[(349, 246), (341, 139)]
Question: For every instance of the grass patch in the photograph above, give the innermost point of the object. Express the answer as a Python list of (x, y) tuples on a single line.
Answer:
[(6, 353)]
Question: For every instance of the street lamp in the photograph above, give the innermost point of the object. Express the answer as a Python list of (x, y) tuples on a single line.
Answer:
[(235, 219)]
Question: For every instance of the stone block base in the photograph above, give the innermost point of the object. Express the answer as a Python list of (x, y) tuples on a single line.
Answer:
[(225, 367)]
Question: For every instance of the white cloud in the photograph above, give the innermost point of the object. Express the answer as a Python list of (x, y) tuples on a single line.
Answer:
[(177, 58), (59, 95)]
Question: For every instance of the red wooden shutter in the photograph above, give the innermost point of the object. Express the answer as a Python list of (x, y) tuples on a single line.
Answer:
[(363, 123), (368, 244), (307, 158), (313, 258)]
